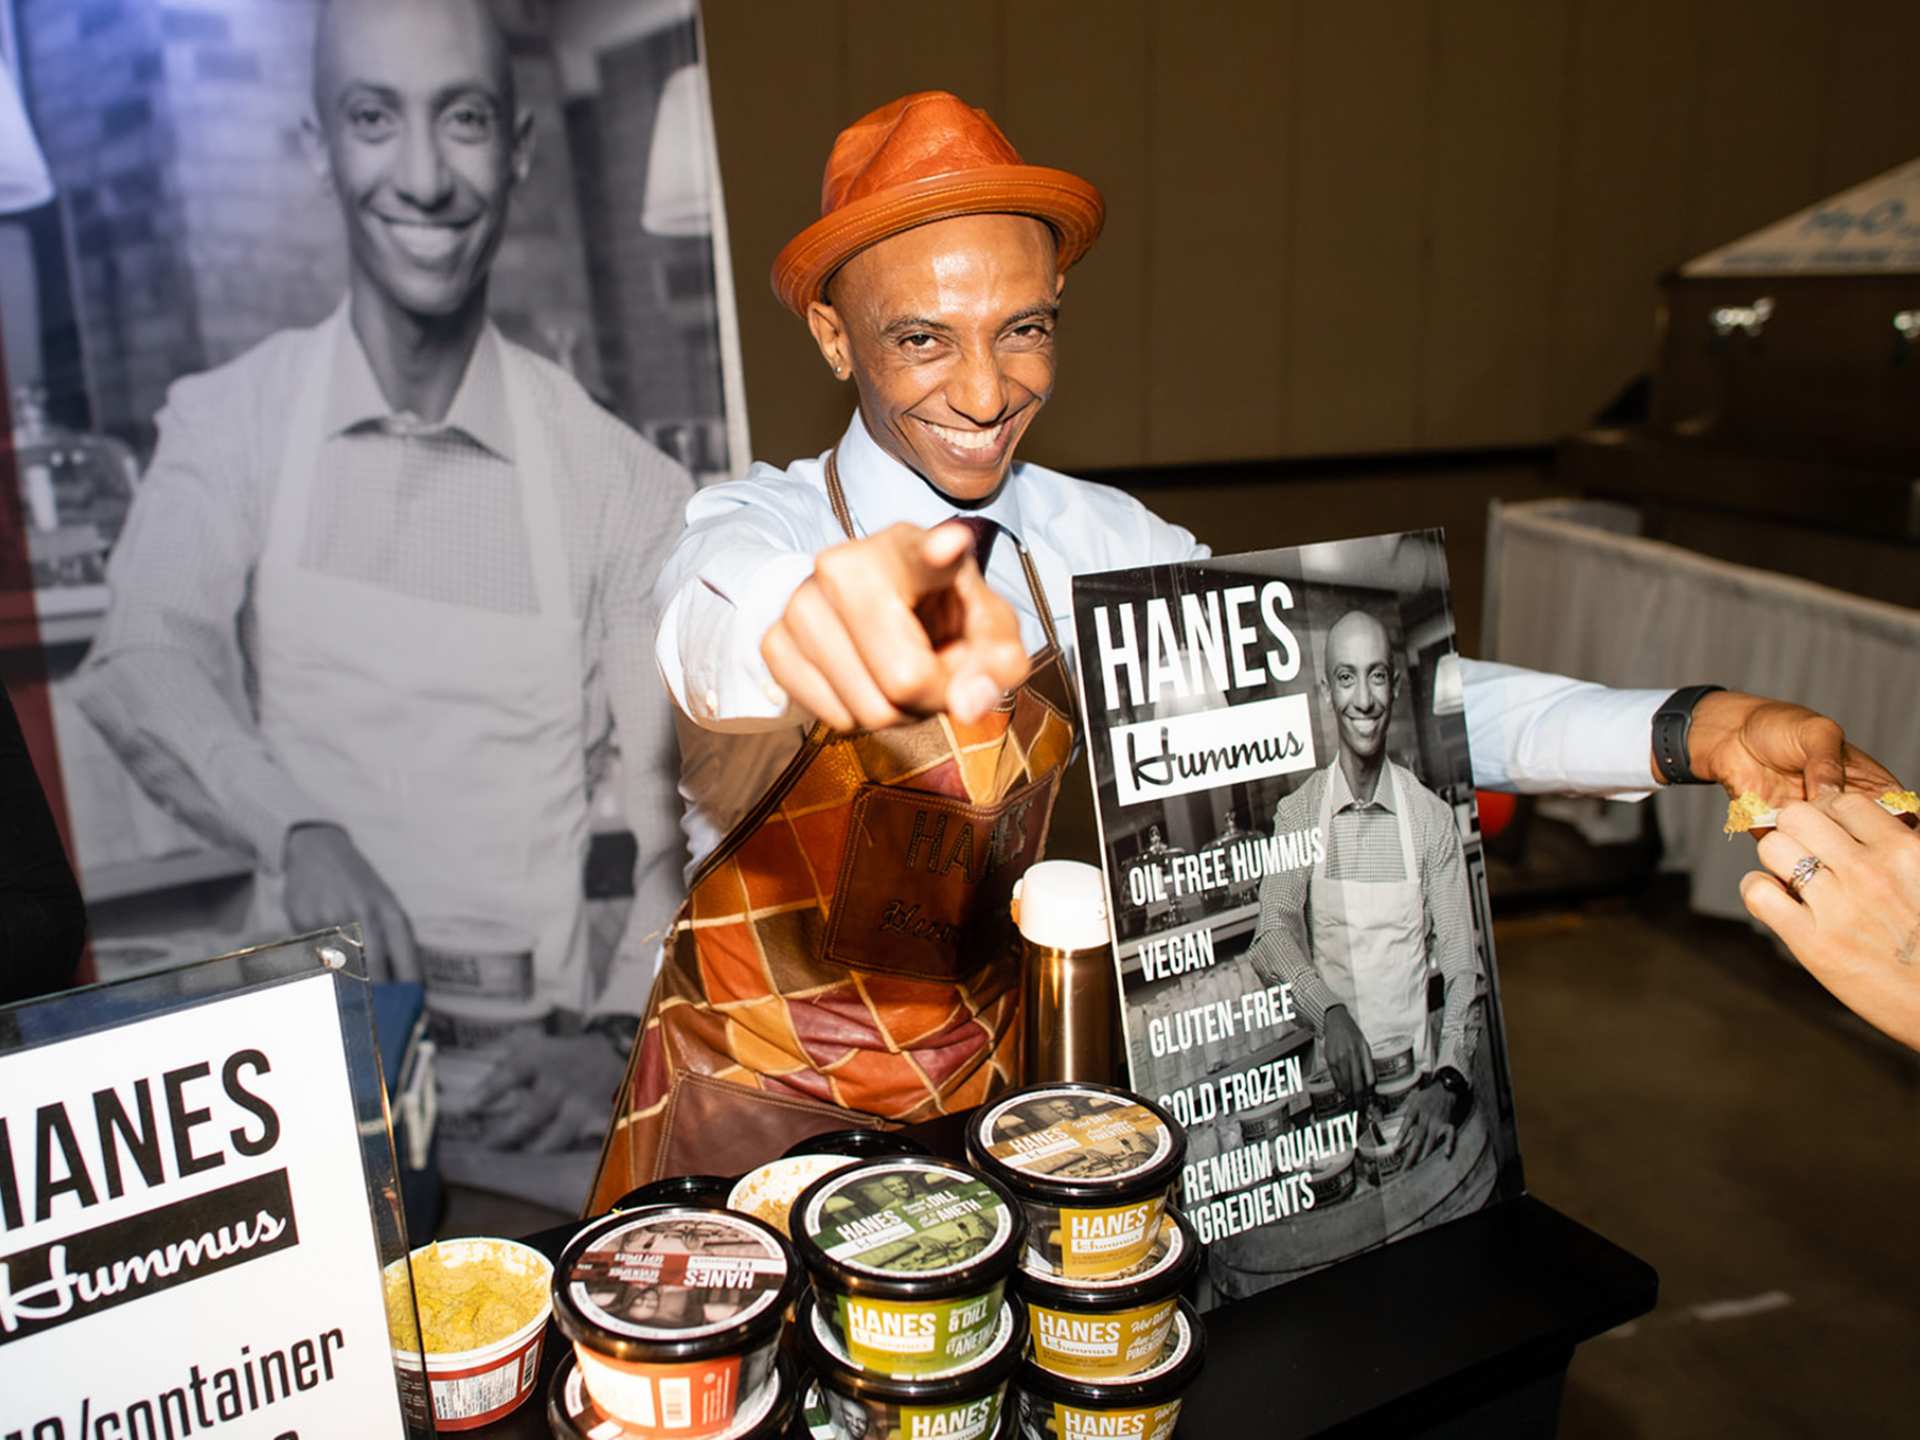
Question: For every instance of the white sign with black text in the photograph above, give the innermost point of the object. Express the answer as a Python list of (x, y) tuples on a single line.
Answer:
[(185, 1241)]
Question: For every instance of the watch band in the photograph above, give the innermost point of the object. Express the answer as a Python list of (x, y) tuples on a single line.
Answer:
[(1672, 724)]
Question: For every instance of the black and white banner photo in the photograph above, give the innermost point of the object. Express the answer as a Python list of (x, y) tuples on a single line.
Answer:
[(1292, 853)]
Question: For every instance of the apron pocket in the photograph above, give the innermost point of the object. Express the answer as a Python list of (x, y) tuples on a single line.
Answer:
[(925, 879)]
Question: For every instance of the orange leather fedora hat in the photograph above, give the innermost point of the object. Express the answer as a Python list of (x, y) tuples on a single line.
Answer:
[(924, 157)]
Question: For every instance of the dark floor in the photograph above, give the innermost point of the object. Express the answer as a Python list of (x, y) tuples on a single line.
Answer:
[(1695, 1098), (1698, 1100)]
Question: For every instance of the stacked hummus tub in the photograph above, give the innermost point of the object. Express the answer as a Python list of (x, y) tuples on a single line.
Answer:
[(1115, 1346), (675, 1313), (910, 1330)]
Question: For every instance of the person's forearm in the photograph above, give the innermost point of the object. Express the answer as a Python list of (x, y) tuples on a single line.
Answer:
[(183, 741), (1535, 733), (1279, 954), (1462, 986)]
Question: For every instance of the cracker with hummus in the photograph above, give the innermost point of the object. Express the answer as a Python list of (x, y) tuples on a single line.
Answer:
[(1750, 815)]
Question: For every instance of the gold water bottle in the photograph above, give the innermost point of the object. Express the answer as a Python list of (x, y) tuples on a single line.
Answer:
[(1071, 1004)]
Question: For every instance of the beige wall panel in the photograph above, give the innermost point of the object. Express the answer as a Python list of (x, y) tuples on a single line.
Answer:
[(1493, 153), (1757, 115), (1075, 83), (1352, 297), (1222, 110), (895, 48), (1625, 176), (777, 89), (1870, 112)]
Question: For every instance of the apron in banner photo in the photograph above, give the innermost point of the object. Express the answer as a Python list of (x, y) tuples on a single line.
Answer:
[(447, 741), (1370, 938), (846, 955)]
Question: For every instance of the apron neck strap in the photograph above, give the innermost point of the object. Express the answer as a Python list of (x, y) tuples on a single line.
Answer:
[(837, 498)]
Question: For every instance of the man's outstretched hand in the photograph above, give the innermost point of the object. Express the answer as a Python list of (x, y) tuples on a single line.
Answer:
[(898, 625), (1778, 751)]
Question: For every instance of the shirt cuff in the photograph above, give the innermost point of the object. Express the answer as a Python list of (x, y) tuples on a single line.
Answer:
[(266, 808), (712, 637), (1545, 734)]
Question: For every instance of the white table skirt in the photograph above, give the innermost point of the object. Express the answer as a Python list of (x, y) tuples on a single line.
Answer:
[(1572, 588)]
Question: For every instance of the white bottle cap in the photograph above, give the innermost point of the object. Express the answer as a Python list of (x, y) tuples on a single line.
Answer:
[(1063, 905)]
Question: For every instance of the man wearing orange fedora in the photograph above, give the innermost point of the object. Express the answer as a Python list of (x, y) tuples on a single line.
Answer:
[(867, 651)]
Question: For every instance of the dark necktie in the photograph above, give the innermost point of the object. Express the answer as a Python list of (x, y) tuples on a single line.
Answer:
[(984, 532)]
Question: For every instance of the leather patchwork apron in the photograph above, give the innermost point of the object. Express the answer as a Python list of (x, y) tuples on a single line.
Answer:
[(845, 956)]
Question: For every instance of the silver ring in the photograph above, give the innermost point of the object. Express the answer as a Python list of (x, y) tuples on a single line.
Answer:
[(1804, 869)]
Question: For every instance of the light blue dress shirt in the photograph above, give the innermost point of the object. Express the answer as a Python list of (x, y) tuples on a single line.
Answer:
[(749, 544)]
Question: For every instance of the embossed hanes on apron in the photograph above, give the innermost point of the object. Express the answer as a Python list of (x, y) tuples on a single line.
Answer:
[(845, 954)]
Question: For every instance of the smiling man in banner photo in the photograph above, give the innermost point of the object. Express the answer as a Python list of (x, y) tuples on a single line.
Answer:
[(387, 581), (854, 668), (1383, 907)]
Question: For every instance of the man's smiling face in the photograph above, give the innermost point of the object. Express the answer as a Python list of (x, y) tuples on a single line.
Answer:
[(1359, 682), (417, 132), (948, 329)]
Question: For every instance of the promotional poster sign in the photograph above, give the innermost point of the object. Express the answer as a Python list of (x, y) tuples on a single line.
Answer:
[(186, 1241), (1279, 751)]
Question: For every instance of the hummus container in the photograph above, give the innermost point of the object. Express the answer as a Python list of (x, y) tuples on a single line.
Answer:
[(483, 1305), (909, 1259), (767, 1414), (674, 1312), (861, 1403), (1334, 1179), (1142, 1406), (767, 1192), (818, 1424), (708, 1190), (1091, 1164), (860, 1144), (1394, 1075), (1111, 1325), (1382, 1159), (1325, 1094), (1266, 1121)]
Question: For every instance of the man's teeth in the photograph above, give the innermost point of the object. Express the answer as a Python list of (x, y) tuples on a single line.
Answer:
[(429, 242), (981, 440)]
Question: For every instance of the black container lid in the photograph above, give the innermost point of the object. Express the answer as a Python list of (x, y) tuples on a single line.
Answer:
[(679, 1190), (1169, 1267), (823, 1219), (1016, 1137), (839, 1372), (1168, 1378), (765, 1415), (860, 1144), (614, 1278)]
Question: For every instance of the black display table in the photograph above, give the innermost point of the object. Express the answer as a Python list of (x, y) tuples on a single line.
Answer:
[(1465, 1330)]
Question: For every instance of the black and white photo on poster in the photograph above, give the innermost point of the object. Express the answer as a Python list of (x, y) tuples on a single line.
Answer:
[(362, 363), (1292, 853)]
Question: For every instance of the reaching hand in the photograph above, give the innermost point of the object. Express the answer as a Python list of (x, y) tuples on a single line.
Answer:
[(896, 625), (1348, 1056), (550, 1092), (1778, 751), (1429, 1124), (329, 882), (1855, 923)]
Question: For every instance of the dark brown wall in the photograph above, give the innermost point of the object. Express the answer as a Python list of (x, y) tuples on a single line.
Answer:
[(1360, 227)]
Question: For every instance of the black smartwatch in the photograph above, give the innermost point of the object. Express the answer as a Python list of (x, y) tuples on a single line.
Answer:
[(1672, 724), (1458, 1087)]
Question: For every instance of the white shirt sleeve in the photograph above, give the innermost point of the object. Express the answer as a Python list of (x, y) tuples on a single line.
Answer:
[(746, 549), (1545, 734)]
